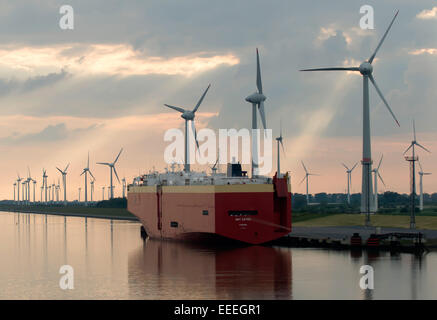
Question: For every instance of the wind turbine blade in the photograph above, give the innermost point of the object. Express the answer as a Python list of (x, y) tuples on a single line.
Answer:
[(193, 127), (383, 99), (83, 172), (175, 108), (380, 178), (303, 180), (408, 148), (65, 170), (420, 166), (104, 163), (88, 162), (333, 69), (201, 99), (258, 74), (345, 166), (419, 145), (414, 130), (306, 171), (118, 155), (92, 175), (59, 170), (115, 171), (354, 166), (383, 38), (262, 113), (283, 150), (380, 162)]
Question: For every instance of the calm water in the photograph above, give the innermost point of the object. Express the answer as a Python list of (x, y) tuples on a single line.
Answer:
[(111, 261)]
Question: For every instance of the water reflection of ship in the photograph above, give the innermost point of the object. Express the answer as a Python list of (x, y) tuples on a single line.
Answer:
[(173, 270)]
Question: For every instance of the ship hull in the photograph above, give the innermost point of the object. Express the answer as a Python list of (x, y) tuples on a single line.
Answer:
[(250, 213)]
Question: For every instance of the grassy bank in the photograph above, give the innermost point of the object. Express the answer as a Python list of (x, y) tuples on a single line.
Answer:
[(377, 220), (116, 213)]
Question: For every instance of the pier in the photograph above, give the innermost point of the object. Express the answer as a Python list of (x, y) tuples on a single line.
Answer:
[(360, 237)]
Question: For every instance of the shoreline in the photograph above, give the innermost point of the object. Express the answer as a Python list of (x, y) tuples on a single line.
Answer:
[(71, 214)]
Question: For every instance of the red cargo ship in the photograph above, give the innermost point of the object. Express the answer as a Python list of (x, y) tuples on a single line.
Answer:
[(181, 205)]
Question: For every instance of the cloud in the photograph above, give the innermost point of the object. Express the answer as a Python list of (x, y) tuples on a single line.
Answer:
[(427, 14), (430, 51), (109, 59), (51, 133)]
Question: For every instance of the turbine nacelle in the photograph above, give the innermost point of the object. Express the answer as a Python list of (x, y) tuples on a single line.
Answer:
[(366, 68), (256, 98), (188, 115)]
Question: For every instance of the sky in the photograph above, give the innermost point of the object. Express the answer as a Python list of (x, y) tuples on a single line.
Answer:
[(101, 86)]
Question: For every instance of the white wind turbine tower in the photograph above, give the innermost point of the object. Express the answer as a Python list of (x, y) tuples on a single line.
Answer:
[(15, 185), (279, 142), (189, 115), (53, 190), (103, 193), (377, 175), (85, 171), (412, 161), (79, 192), (349, 181), (28, 181), (34, 186), (64, 182), (92, 189), (257, 100), (124, 187), (18, 187), (307, 174), (421, 174), (44, 183), (23, 190), (112, 168), (58, 189), (366, 70)]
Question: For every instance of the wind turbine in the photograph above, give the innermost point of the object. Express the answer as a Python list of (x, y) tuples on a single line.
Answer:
[(44, 182), (64, 182), (421, 174), (85, 171), (376, 175), (257, 100), (349, 181), (18, 187), (366, 70), (23, 190), (111, 166), (124, 187), (92, 189), (34, 186), (412, 161), (53, 190), (189, 115), (307, 174), (279, 141)]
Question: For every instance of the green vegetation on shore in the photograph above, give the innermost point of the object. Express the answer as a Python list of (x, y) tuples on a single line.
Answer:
[(378, 220)]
